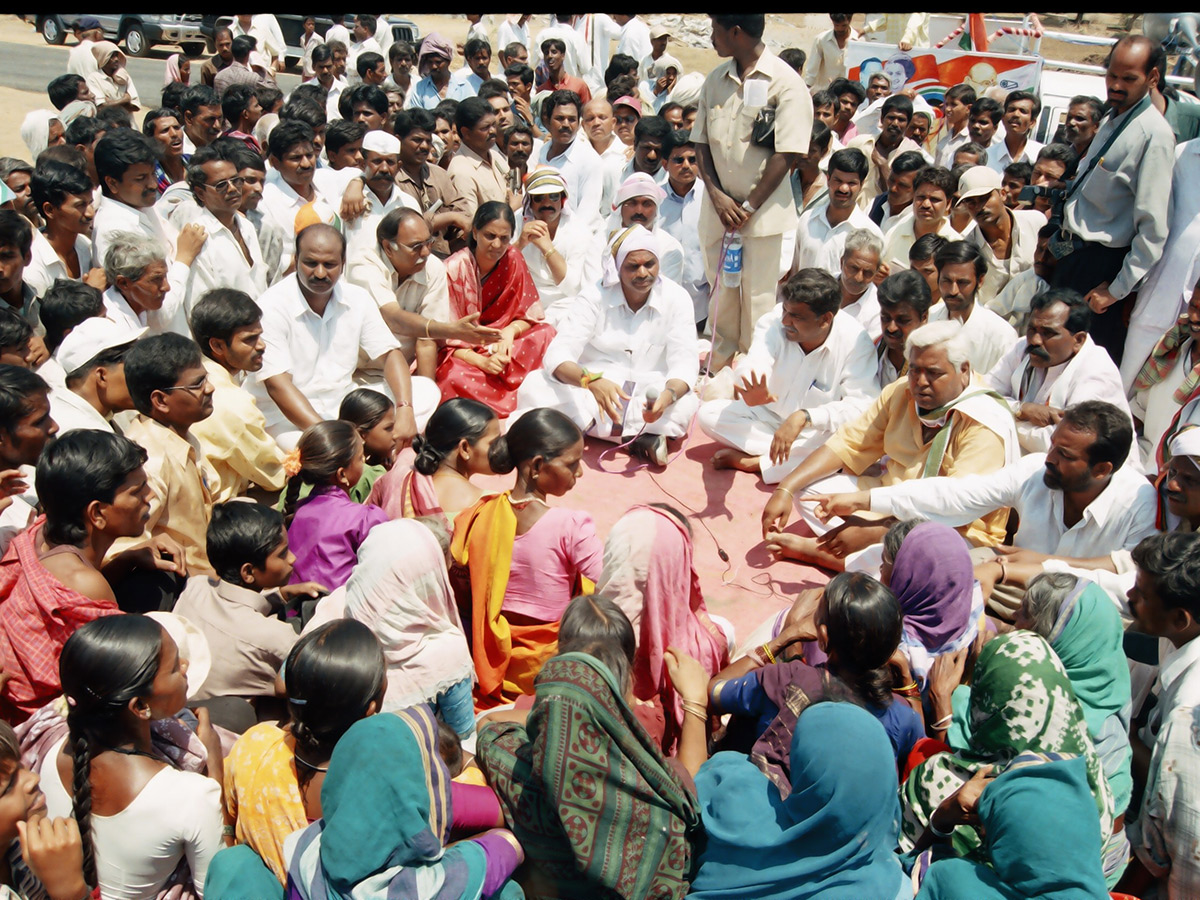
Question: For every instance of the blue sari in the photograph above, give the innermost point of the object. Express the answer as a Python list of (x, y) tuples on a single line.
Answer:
[(834, 835)]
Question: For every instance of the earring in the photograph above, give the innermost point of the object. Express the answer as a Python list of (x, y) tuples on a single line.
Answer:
[(145, 714)]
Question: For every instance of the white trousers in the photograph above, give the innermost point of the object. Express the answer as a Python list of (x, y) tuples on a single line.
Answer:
[(426, 396), (751, 429), (579, 405)]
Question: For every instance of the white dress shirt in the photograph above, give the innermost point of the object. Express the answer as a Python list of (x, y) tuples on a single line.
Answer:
[(679, 217), (319, 352), (900, 235), (820, 245), (1000, 157), (581, 250), (221, 263), (510, 32), (360, 232), (117, 309), (948, 146), (635, 39), (71, 412), (613, 159), (1088, 375), (1118, 518), (826, 61), (332, 97), (989, 336), (865, 311), (47, 265), (354, 51), (1026, 223), (280, 203), (583, 172)]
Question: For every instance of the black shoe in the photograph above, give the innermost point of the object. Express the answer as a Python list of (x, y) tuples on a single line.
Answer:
[(651, 447)]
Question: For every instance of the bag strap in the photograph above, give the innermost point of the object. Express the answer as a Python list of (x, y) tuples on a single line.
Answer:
[(1116, 133), (937, 448)]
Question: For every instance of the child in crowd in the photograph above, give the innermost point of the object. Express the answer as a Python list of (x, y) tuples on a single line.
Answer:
[(374, 415), (15, 340), (327, 527)]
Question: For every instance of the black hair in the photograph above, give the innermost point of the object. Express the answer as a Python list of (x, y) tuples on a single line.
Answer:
[(195, 175), (268, 95), (63, 90), (447, 109), (850, 160), (963, 93), (620, 64), (821, 136), (341, 133), (1079, 314), (409, 120), (1063, 153), (114, 117), (520, 70), (121, 149), (842, 86), (1022, 171), (15, 332), (104, 665), (486, 214), (64, 154), (321, 53), (324, 448), (15, 231), (221, 312), (332, 676), (492, 88), (65, 304), (1112, 427), (364, 409), (1172, 560), (561, 98), (754, 24), (287, 134), (622, 86), (863, 623), (794, 57), (959, 252), (457, 419), (240, 533), (680, 137), (541, 432), (977, 150), (401, 49), (557, 43), (595, 625), (938, 176), (155, 363), (367, 62), (163, 112), (517, 127), (304, 111), (370, 94), (898, 103), (82, 466), (241, 47), (196, 96), (471, 111), (242, 156), (18, 386), (909, 161), (926, 247), (82, 132), (1018, 96), (1095, 106), (367, 21), (311, 92), (474, 45), (170, 98), (824, 97), (905, 286), (53, 182), (654, 128), (389, 225), (816, 289), (986, 106), (235, 101)]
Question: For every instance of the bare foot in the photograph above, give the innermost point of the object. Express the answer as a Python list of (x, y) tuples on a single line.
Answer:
[(782, 545), (733, 458)]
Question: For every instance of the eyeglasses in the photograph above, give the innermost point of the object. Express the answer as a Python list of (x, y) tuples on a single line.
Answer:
[(196, 390), (222, 186), (419, 246)]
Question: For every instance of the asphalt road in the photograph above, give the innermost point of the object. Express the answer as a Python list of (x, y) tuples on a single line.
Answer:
[(31, 68)]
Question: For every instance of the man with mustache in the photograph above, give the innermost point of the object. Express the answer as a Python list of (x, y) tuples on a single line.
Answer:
[(856, 282), (1055, 365), (822, 231), (227, 325), (429, 185), (961, 270), (637, 203), (882, 149), (1076, 500), (63, 195), (1005, 238), (572, 154), (381, 162), (560, 248)]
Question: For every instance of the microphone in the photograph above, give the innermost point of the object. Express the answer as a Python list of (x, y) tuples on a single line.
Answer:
[(651, 396)]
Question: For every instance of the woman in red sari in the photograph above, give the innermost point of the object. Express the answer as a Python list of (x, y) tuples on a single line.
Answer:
[(489, 277)]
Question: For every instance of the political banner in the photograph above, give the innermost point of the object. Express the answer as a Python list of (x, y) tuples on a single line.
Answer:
[(934, 71)]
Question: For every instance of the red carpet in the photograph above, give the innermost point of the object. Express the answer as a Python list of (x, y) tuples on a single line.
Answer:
[(747, 589)]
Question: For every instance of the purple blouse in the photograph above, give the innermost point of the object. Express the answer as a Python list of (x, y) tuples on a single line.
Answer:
[(325, 535)]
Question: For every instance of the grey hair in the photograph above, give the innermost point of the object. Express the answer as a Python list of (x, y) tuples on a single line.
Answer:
[(944, 333), (1044, 598), (895, 536), (862, 239), (130, 254)]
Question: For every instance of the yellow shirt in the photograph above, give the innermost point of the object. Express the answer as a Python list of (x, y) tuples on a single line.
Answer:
[(182, 504), (725, 121), (234, 440), (890, 428), (262, 793)]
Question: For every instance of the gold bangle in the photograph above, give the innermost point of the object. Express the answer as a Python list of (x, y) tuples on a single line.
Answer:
[(766, 648), (786, 491), (428, 322), (1003, 573), (696, 710)]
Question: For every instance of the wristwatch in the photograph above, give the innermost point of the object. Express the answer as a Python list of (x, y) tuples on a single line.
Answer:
[(748, 208)]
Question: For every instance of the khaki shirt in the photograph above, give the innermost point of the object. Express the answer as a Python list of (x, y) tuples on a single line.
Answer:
[(725, 122), (478, 180), (426, 293), (437, 185)]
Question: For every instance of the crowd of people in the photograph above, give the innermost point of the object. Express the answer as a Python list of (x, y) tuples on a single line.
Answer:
[(262, 635)]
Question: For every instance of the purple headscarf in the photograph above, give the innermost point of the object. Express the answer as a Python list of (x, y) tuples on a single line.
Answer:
[(934, 580), (433, 45)]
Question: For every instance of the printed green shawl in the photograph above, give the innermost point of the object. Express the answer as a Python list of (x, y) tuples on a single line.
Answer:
[(588, 793)]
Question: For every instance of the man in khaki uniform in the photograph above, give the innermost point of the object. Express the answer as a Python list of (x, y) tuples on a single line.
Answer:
[(746, 185)]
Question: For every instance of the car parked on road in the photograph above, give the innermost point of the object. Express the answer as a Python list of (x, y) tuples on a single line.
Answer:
[(138, 31), (292, 26)]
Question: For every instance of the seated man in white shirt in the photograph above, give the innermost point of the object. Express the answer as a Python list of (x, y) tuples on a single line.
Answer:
[(290, 199), (136, 269), (381, 162), (810, 369), (561, 249), (961, 270), (637, 203), (571, 153), (408, 284), (856, 281), (1056, 365), (679, 215), (822, 229), (93, 356), (231, 257), (63, 195), (933, 190), (904, 302), (623, 364), (315, 326), (1012, 303), (1077, 500)]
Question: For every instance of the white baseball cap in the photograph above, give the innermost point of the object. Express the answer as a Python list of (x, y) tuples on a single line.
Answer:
[(978, 181)]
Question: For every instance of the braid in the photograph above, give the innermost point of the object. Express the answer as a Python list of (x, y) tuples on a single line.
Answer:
[(292, 495), (82, 802)]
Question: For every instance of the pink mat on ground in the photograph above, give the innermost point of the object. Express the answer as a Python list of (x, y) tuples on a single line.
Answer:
[(747, 589)]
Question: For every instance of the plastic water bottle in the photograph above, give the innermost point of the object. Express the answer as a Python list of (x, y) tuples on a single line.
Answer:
[(731, 271)]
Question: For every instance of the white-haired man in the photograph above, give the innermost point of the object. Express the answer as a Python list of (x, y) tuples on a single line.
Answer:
[(938, 421)]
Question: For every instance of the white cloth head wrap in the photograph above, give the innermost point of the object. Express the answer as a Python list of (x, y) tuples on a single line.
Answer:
[(620, 245)]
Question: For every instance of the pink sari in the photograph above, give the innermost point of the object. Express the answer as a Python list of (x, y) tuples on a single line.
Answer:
[(648, 572), (506, 295)]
